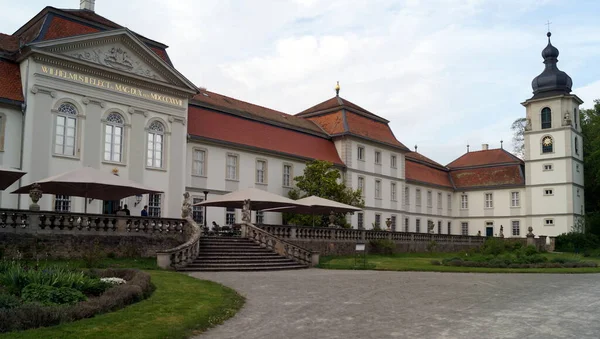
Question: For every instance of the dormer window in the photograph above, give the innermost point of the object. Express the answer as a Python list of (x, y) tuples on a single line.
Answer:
[(546, 118)]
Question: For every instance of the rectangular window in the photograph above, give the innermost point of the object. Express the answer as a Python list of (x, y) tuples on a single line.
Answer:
[(287, 175), (64, 141), (406, 196), (449, 202), (377, 220), (577, 168), (578, 194), (361, 220), (418, 226), (439, 201), (393, 223), (230, 216), (547, 167), (464, 228), (418, 197), (548, 191), (62, 203), (199, 158), (361, 185), (393, 191), (405, 224), (198, 211), (439, 227), (549, 222), (393, 161), (361, 153), (449, 227), (489, 202), (516, 228), (260, 217), (514, 199), (154, 205), (546, 118), (378, 189), (377, 157), (261, 171), (429, 199), (232, 167), (464, 202)]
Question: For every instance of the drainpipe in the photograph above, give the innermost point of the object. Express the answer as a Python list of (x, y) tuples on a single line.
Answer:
[(23, 110)]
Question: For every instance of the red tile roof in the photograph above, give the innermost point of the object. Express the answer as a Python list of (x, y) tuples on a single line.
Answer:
[(207, 123), (422, 173), (420, 157), (335, 102), (8, 43), (485, 157), (252, 111), (510, 175), (10, 81), (332, 123), (92, 16), (372, 129), (62, 28)]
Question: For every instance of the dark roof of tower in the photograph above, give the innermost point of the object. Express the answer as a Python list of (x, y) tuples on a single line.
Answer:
[(551, 81)]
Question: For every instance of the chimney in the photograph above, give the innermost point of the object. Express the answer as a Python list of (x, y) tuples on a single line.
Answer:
[(484, 147), (87, 4)]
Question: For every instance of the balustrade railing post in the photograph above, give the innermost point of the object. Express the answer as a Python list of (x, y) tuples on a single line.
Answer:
[(293, 232), (34, 222)]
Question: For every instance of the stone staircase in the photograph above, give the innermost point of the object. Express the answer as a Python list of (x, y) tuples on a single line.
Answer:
[(237, 254)]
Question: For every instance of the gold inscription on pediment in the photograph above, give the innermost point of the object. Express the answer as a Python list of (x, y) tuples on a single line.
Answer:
[(113, 86)]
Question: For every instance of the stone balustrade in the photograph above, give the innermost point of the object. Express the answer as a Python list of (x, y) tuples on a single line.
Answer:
[(45, 222), (183, 254), (275, 243)]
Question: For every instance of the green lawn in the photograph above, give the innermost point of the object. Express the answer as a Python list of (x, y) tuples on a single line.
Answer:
[(181, 306), (422, 262)]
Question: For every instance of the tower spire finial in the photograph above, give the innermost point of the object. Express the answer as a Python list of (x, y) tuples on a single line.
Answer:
[(548, 24), (337, 89)]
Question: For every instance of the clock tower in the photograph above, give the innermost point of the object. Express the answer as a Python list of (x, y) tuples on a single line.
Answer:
[(553, 151)]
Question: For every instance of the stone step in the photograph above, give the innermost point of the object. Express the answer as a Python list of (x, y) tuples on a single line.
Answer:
[(245, 260), (246, 264), (234, 250), (227, 240), (238, 269), (265, 256), (208, 246)]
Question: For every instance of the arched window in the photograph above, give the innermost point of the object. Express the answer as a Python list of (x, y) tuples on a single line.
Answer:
[(156, 137), (547, 144), (66, 130), (576, 146), (546, 118), (113, 137)]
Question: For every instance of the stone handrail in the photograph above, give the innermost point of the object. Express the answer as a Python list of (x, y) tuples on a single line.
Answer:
[(183, 254), (273, 242), (320, 233), (25, 221)]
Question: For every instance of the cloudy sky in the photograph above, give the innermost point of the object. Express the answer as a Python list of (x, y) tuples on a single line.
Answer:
[(445, 73)]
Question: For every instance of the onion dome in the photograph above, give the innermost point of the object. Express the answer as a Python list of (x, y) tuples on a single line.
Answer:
[(551, 81)]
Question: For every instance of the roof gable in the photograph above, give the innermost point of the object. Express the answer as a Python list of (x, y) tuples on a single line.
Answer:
[(337, 103), (498, 176), (485, 158)]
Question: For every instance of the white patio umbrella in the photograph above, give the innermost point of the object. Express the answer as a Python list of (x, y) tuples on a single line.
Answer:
[(316, 205), (90, 183), (259, 200), (9, 176)]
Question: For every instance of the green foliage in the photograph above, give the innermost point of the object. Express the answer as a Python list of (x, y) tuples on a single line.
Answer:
[(93, 255), (49, 295), (322, 179), (8, 301), (590, 129), (493, 246), (518, 129), (576, 242), (382, 246), (431, 246)]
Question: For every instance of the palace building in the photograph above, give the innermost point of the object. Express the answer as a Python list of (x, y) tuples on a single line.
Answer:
[(77, 89)]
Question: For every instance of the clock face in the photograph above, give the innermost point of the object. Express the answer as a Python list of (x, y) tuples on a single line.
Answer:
[(547, 141)]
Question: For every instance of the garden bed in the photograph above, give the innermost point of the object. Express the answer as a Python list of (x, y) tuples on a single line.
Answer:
[(33, 297)]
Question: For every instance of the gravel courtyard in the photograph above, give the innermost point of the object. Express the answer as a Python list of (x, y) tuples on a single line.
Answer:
[(369, 304)]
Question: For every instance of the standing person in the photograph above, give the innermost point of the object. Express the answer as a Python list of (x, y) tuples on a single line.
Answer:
[(145, 211), (126, 210)]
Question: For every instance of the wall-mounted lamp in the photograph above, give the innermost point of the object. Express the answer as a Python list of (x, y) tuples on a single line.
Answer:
[(138, 199)]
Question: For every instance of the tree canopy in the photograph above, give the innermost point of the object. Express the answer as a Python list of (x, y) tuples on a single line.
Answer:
[(518, 129), (322, 179), (590, 128)]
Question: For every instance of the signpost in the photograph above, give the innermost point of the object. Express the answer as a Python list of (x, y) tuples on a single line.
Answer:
[(361, 247)]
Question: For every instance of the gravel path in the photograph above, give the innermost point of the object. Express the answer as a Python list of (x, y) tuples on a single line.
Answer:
[(318, 303)]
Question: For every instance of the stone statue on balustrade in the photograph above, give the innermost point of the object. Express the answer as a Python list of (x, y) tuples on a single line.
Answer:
[(331, 219), (186, 208), (246, 212), (501, 235)]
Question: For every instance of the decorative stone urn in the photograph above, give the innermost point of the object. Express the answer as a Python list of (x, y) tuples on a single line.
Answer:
[(388, 223), (331, 219), (35, 194), (478, 233)]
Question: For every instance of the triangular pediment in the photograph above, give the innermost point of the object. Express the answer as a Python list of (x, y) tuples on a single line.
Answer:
[(117, 51)]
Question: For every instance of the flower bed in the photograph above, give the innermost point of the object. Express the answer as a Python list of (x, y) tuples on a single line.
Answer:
[(31, 297)]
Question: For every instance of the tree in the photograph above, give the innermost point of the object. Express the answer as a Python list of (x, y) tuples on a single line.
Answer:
[(321, 179), (590, 128), (518, 129)]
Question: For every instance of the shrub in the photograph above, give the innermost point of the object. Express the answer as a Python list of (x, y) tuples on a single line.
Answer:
[(9, 301), (49, 295), (436, 262), (530, 250), (493, 246), (576, 242), (382, 246)]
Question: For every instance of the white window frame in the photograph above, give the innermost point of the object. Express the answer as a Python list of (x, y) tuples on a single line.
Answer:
[(449, 227), (439, 200), (393, 192), (378, 157), (360, 220), (393, 161), (406, 196), (464, 228), (110, 122), (515, 228), (377, 219), (261, 175), (578, 193), (548, 222), (62, 203), (418, 197), (288, 178), (489, 200), (406, 224), (229, 216), (198, 211), (360, 184), (577, 167), (360, 153), (259, 217), (547, 167), (228, 167), (429, 199), (515, 199), (548, 191), (155, 205), (61, 113), (199, 165), (377, 189), (393, 225), (464, 202), (156, 137), (418, 225), (449, 197)]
